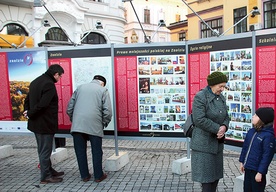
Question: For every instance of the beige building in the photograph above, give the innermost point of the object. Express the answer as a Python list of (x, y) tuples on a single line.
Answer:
[(70, 21), (221, 16)]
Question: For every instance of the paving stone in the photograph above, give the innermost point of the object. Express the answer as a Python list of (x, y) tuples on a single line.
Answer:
[(149, 168)]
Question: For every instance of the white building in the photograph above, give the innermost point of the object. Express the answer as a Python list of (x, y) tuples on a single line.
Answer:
[(72, 20), (149, 13), (75, 17)]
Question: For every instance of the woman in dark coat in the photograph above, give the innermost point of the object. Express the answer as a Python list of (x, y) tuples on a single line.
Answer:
[(211, 121)]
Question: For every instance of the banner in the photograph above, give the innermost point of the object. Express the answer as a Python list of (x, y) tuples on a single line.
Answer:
[(80, 66), (150, 90), (234, 59), (18, 69)]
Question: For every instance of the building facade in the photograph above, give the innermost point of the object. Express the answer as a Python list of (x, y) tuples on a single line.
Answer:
[(225, 17), (68, 22), (75, 22), (143, 19)]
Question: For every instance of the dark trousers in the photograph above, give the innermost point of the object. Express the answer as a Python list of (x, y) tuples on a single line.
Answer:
[(60, 142), (80, 146), (44, 150), (210, 187), (250, 184)]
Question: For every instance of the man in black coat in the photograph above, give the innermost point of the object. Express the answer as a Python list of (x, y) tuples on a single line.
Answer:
[(41, 110)]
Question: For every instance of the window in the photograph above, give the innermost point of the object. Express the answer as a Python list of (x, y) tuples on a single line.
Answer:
[(125, 40), (56, 34), (238, 15), (147, 16), (182, 36), (94, 38), (215, 24), (13, 29), (269, 14)]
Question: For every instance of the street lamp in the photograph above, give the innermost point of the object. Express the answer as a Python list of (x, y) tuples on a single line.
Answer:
[(255, 11), (160, 24), (45, 23), (98, 25), (41, 3)]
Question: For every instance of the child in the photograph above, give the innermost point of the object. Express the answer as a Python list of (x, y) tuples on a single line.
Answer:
[(258, 150)]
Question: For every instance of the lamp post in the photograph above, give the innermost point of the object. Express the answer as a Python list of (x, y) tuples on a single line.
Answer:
[(41, 3), (255, 11), (98, 25), (160, 24), (44, 24)]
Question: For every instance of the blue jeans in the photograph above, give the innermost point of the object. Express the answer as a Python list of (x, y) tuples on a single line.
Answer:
[(44, 150), (80, 146), (250, 184)]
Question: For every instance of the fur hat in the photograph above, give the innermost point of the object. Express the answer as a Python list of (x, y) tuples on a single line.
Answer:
[(216, 78), (101, 78), (266, 114)]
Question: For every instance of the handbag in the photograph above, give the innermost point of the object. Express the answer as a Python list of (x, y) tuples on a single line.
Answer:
[(188, 126)]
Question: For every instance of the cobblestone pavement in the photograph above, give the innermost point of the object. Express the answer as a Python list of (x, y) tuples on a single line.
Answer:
[(149, 168)]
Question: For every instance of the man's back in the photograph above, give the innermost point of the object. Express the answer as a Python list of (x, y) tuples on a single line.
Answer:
[(42, 105), (91, 109)]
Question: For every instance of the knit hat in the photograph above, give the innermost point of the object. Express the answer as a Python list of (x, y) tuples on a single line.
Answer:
[(101, 78), (266, 114), (216, 78)]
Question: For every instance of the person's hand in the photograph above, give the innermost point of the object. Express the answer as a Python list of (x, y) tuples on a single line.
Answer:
[(258, 177), (25, 114), (221, 132), (242, 167)]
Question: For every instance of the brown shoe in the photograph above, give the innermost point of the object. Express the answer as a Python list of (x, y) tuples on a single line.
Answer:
[(57, 174), (87, 178), (51, 180), (102, 178)]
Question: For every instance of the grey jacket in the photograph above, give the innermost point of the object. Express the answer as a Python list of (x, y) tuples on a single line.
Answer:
[(90, 109), (209, 113)]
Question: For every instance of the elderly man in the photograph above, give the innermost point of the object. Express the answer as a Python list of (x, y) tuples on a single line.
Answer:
[(90, 111)]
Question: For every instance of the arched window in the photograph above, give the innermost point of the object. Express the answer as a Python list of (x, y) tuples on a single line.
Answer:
[(94, 38), (56, 34), (13, 29)]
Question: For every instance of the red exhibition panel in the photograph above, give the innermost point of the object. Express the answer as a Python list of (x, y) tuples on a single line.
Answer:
[(126, 93), (266, 72), (64, 90), (5, 109)]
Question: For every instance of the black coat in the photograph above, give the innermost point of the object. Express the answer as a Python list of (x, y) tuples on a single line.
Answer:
[(42, 105)]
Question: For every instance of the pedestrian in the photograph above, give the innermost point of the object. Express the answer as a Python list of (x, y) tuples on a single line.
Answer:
[(258, 150), (211, 121), (41, 110), (90, 111)]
